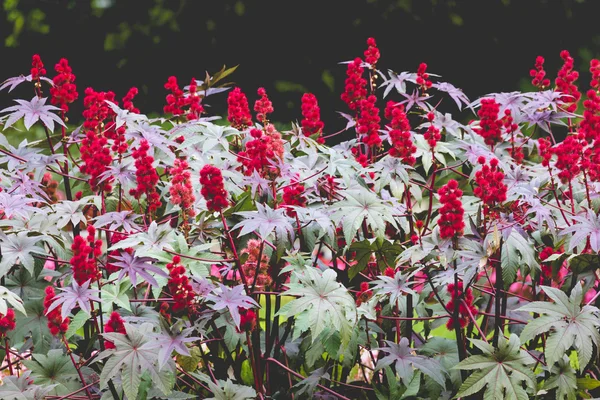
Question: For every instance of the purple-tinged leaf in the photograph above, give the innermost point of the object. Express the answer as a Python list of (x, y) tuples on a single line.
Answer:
[(142, 266), (231, 299), (75, 296), (33, 111)]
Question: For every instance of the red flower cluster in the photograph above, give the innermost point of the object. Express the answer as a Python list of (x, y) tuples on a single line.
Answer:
[(213, 190), (95, 151), (565, 82), (547, 267), (451, 213), (545, 151), (568, 156), (238, 111), (293, 195), (55, 322), (146, 177), (369, 122), (180, 287), (194, 101), (7, 322), (114, 324), (181, 190), (261, 151), (489, 125), (247, 320), (539, 75), (402, 145), (361, 158), (372, 53), (263, 106), (355, 88), (490, 186), (465, 304), (590, 125), (85, 254), (364, 294), (37, 68), (595, 71), (128, 100), (64, 90), (423, 77), (432, 135), (177, 100), (312, 124), (262, 277)]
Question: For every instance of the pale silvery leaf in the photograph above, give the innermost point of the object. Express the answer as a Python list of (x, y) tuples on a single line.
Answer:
[(396, 81), (415, 98), (587, 227), (256, 182), (265, 220), (231, 299), (74, 296), (68, 211), (394, 287), (32, 111), (18, 249), (362, 205), (16, 205), (12, 299), (322, 304), (457, 94), (125, 116), (15, 81), (117, 220), (158, 237), (134, 354)]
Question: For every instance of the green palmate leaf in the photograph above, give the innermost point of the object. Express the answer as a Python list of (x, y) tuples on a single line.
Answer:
[(517, 252), (116, 293), (385, 253), (570, 325), (402, 357), (309, 384), (77, 323), (134, 355), (190, 363), (587, 383), (362, 205), (55, 368), (25, 285), (563, 380), (500, 371), (34, 326), (322, 303)]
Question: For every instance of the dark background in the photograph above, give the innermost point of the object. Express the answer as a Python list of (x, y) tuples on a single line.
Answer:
[(290, 47)]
